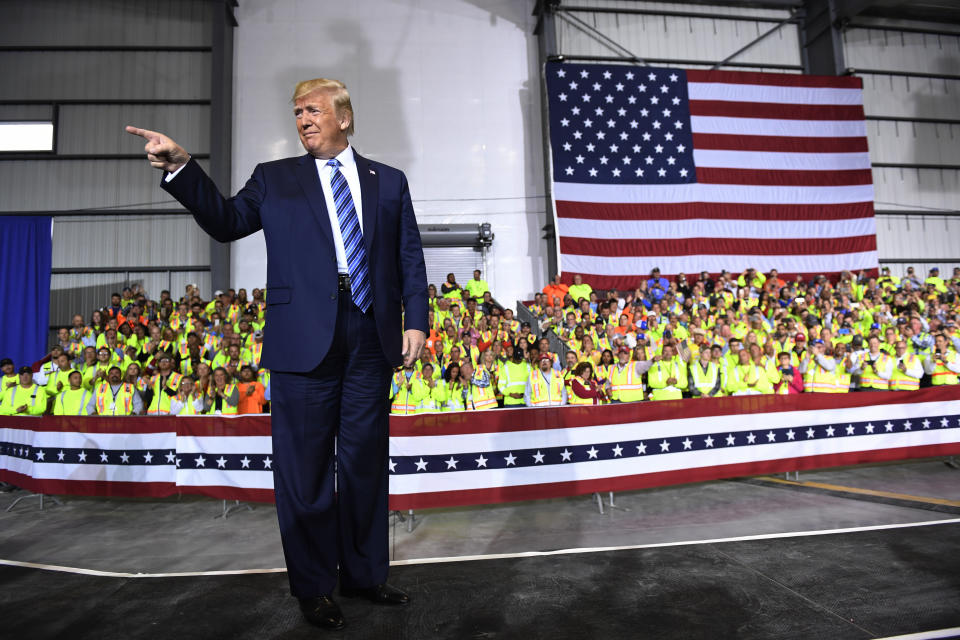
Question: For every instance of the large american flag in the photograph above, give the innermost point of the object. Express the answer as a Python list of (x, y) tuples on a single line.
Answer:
[(691, 171)]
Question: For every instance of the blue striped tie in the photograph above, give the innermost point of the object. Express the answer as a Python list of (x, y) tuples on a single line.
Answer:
[(352, 237)]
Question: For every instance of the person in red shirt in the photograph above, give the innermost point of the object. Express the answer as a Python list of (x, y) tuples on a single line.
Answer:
[(251, 392), (791, 380), (585, 387)]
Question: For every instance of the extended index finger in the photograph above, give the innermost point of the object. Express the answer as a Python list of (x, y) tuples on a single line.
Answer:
[(143, 133)]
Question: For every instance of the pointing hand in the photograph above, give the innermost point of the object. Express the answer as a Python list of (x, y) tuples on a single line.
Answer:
[(162, 152)]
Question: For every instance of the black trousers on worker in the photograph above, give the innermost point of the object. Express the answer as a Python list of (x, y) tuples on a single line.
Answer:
[(330, 451)]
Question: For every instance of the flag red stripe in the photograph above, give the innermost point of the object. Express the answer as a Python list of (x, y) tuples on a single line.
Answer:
[(778, 111), (773, 79), (712, 211), (784, 144), (714, 246), (781, 178)]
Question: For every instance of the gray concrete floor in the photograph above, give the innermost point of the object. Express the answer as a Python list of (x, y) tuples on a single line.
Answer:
[(172, 535)]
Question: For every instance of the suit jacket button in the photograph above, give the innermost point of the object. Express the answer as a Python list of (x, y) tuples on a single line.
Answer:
[(333, 296)]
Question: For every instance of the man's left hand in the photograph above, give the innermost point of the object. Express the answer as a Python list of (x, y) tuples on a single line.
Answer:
[(413, 341)]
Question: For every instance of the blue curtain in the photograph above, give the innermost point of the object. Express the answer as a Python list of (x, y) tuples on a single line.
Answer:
[(26, 249)]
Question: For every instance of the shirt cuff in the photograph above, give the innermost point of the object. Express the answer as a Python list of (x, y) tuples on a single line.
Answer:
[(171, 176)]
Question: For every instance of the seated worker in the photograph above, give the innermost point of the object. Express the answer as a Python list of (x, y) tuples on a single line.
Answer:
[(24, 399), (115, 397), (251, 392), (75, 400), (545, 387), (188, 401)]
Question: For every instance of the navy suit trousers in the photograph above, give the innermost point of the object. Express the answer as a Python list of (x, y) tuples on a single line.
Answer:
[(330, 447)]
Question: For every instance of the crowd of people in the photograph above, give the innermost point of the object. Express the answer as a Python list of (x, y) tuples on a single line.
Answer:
[(732, 335), (139, 356)]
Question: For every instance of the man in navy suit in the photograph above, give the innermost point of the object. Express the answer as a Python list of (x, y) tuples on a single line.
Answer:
[(344, 252)]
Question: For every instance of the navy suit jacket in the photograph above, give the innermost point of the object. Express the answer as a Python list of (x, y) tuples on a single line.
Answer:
[(284, 198)]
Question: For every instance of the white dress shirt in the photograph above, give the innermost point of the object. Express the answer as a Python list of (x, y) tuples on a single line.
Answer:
[(348, 167)]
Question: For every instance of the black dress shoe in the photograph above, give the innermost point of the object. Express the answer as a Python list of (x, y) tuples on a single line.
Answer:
[(323, 612), (379, 594)]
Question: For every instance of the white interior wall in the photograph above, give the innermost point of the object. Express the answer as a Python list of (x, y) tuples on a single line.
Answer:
[(446, 90)]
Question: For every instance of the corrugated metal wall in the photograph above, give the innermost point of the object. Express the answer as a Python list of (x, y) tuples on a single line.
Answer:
[(913, 126), (95, 66), (685, 38)]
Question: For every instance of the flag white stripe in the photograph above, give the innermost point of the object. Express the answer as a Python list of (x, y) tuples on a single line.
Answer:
[(224, 444), (709, 228), (774, 127), (104, 472), (655, 429), (90, 440), (593, 470), (631, 266), (697, 192), (245, 479), (780, 161), (772, 93)]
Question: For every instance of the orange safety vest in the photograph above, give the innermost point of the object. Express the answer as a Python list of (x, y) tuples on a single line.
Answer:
[(106, 402)]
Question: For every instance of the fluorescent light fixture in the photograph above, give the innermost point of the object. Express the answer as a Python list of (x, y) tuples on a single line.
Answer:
[(26, 136)]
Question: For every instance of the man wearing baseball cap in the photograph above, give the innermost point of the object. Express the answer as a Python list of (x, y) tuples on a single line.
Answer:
[(24, 399), (935, 279), (10, 378), (545, 386), (626, 378)]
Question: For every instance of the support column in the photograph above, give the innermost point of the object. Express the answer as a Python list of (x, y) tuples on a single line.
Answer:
[(821, 43), (221, 125), (547, 39)]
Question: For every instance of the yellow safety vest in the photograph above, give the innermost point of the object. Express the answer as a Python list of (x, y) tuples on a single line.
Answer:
[(72, 402), (188, 408), (160, 402), (109, 405), (573, 398), (545, 392), (482, 398), (513, 380), (407, 402), (900, 381), (705, 381), (819, 380), (843, 379), (625, 384), (871, 380), (941, 375), (657, 376), (226, 409), (453, 397)]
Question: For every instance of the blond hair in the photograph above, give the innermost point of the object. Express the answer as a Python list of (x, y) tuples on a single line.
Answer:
[(337, 91)]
